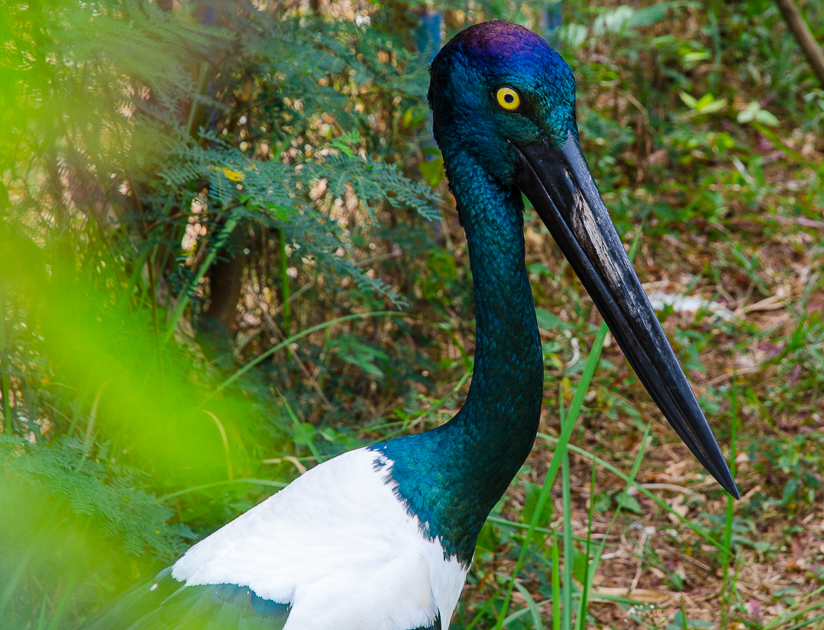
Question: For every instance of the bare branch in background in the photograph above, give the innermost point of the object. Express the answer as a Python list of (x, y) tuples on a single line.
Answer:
[(798, 27)]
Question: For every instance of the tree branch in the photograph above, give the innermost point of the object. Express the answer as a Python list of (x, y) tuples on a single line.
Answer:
[(802, 34)]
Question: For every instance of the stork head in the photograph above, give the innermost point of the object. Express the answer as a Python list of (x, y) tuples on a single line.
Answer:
[(503, 99), (495, 85)]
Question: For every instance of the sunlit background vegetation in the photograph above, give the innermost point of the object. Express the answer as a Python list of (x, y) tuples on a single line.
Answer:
[(227, 252)]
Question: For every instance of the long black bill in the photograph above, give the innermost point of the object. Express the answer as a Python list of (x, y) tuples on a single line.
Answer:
[(560, 186)]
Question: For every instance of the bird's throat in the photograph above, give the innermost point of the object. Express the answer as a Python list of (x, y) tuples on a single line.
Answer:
[(505, 395), (451, 477)]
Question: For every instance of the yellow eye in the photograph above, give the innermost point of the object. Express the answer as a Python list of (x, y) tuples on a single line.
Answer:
[(508, 98)]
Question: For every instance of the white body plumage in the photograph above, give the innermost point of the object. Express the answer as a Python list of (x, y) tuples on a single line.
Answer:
[(337, 545)]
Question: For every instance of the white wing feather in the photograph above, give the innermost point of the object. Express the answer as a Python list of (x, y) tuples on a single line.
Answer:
[(339, 546)]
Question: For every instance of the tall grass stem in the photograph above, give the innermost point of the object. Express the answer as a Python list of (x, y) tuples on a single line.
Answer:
[(730, 514), (567, 427)]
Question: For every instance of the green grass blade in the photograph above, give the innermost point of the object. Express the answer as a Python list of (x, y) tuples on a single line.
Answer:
[(618, 599), (531, 606), (499, 520), (630, 480), (696, 528), (301, 432), (567, 427), (569, 548), (206, 486), (132, 282), (725, 587), (54, 624), (19, 571), (41, 618), (516, 615), (566, 432), (431, 412), (556, 583), (591, 565), (734, 586), (788, 615), (569, 545), (487, 605), (301, 335), (807, 623)]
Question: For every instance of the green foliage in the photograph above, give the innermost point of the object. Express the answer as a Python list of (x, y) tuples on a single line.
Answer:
[(144, 152), (798, 463), (141, 149), (680, 622), (356, 353), (111, 495)]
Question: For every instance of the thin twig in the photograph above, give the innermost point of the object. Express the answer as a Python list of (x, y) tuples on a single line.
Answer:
[(798, 27)]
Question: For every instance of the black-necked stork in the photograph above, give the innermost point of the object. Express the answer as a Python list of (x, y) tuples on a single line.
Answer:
[(381, 538)]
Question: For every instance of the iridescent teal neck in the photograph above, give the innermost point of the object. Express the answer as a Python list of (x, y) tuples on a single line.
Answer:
[(508, 379), (452, 477)]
